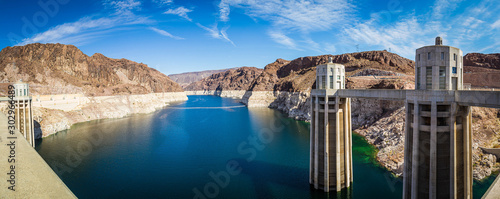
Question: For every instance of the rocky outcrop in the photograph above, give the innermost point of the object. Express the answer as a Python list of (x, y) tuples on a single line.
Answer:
[(105, 87), (484, 165), (258, 98), (375, 72), (482, 60), (268, 78), (184, 79), (299, 74), (238, 94), (63, 69), (232, 79), (52, 120), (296, 105), (387, 134)]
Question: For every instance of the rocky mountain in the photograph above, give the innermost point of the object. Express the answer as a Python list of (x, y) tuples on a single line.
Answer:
[(58, 68), (299, 74), (482, 60), (482, 70), (232, 79), (184, 79)]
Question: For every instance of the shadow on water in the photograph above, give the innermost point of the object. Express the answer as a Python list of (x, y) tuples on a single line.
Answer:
[(264, 174), (38, 143)]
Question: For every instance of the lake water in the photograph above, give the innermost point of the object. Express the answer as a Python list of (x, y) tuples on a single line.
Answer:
[(196, 149)]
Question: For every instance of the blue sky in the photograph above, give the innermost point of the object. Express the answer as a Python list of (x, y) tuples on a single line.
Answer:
[(177, 36)]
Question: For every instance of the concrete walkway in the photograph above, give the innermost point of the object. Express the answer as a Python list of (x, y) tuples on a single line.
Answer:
[(33, 177), (494, 190)]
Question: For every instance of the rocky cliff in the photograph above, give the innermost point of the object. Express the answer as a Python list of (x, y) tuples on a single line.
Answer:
[(184, 79), (106, 87), (58, 68), (232, 79), (299, 74), (482, 60)]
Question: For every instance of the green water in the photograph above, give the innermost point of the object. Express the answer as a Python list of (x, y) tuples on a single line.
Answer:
[(480, 187), (190, 151)]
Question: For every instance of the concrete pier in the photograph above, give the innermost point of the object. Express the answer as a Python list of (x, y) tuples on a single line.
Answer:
[(330, 135), (33, 177), (438, 147)]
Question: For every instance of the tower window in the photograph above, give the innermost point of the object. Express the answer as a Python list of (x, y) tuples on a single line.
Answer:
[(318, 86), (343, 82), (442, 77), (442, 55), (418, 57), (429, 55), (454, 70), (331, 81), (323, 84), (418, 78), (454, 57), (428, 79)]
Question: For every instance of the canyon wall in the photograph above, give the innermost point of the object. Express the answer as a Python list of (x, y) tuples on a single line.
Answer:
[(64, 69), (58, 117), (184, 79), (68, 87)]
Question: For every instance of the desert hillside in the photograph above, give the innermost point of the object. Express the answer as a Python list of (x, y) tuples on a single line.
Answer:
[(299, 74), (62, 69), (232, 79), (184, 79), (482, 60), (482, 70), (69, 87)]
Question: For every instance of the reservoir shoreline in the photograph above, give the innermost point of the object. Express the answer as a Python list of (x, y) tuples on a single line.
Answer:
[(55, 113)]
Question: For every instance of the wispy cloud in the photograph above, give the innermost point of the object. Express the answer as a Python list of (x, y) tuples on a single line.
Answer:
[(224, 35), (291, 16), (410, 31), (399, 37), (282, 39), (329, 48), (163, 2), (164, 33), (443, 8), (180, 11), (90, 27), (124, 7), (496, 24), (214, 32)]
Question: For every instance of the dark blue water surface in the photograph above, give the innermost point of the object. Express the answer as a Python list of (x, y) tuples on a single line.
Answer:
[(190, 151)]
